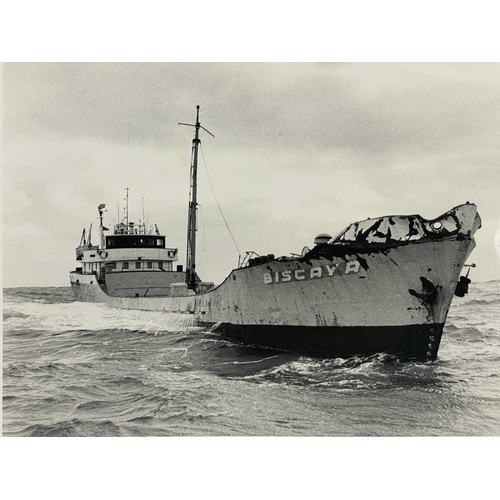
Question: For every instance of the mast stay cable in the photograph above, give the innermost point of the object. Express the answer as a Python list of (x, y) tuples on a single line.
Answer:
[(217, 201)]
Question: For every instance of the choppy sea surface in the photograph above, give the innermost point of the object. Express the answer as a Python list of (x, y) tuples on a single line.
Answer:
[(80, 369)]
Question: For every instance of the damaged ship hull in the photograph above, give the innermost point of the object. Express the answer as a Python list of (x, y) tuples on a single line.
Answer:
[(370, 290), (383, 285)]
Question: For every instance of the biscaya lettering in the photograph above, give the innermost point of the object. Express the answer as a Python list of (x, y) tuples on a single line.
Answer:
[(352, 267)]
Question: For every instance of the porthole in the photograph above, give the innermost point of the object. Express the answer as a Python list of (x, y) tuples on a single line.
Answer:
[(437, 225)]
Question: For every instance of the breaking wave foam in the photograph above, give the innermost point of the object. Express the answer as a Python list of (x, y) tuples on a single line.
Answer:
[(60, 317)]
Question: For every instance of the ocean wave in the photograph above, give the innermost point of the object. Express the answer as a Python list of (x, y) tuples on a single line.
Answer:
[(324, 372), (71, 428), (41, 295), (77, 369), (354, 375), (481, 302), (62, 317)]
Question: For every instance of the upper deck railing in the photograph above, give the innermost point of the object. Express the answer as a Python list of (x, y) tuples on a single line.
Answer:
[(132, 228)]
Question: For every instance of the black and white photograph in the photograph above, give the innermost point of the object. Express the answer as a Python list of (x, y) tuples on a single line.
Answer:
[(251, 249), (311, 236)]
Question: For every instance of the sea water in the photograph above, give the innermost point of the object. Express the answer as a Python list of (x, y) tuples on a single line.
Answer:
[(81, 369)]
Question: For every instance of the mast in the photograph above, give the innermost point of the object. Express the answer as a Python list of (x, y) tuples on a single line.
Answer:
[(193, 205), (101, 209)]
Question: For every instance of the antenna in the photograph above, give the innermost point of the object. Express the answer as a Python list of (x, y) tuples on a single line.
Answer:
[(193, 204), (143, 219), (126, 207)]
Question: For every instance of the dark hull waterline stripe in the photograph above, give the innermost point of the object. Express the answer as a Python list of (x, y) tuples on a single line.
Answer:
[(418, 342)]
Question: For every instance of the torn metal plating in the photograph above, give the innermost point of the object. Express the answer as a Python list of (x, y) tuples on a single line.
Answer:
[(374, 235), (429, 291), (406, 228)]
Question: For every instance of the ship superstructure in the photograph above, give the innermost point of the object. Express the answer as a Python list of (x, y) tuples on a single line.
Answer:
[(133, 262)]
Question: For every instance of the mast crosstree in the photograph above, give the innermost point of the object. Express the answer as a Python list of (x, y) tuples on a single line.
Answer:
[(193, 204)]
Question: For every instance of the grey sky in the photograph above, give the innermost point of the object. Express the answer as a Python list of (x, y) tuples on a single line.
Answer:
[(299, 149)]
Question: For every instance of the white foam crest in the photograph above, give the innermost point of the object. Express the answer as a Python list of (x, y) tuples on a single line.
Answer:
[(88, 316), (304, 367), (344, 374)]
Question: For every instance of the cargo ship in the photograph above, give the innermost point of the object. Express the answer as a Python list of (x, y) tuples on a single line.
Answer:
[(382, 285)]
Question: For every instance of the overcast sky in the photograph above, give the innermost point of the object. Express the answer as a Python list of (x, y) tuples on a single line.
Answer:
[(299, 149)]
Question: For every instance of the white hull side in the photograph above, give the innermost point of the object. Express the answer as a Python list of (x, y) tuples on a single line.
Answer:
[(375, 294)]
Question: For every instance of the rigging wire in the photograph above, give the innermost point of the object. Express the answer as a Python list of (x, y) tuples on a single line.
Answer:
[(218, 204), (200, 259), (212, 187), (182, 133)]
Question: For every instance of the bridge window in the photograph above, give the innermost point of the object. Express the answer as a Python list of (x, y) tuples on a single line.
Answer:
[(134, 241), (125, 265), (137, 265), (160, 265), (150, 265)]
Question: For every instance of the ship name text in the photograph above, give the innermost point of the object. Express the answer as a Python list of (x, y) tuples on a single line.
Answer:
[(325, 271)]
